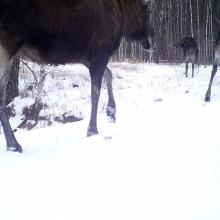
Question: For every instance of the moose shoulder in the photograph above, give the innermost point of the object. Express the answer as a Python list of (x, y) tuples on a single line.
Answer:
[(69, 31)]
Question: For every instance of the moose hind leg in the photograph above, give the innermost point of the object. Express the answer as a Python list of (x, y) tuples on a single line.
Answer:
[(5, 68), (208, 93), (111, 107)]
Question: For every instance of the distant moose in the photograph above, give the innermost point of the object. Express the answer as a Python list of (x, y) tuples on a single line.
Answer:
[(69, 31), (214, 68), (190, 52)]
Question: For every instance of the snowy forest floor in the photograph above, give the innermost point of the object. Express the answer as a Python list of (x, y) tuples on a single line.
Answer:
[(159, 161)]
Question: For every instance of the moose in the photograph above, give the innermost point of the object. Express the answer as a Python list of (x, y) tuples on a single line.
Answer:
[(214, 68), (58, 32), (190, 52)]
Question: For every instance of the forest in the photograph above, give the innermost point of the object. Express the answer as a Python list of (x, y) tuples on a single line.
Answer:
[(173, 20)]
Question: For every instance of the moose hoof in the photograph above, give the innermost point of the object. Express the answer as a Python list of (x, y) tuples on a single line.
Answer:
[(91, 132), (111, 114), (16, 148), (207, 99)]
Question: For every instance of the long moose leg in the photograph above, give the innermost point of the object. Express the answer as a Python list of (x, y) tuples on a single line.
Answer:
[(96, 70), (193, 65), (111, 108), (5, 68), (208, 93), (186, 69)]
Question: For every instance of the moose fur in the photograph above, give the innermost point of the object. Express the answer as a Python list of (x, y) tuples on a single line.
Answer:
[(190, 52), (214, 68), (69, 31)]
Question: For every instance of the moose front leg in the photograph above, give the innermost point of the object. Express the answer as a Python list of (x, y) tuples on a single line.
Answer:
[(12, 144), (186, 72), (193, 65), (96, 70), (208, 93)]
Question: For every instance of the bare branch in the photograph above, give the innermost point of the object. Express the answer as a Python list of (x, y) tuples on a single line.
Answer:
[(218, 21), (30, 70)]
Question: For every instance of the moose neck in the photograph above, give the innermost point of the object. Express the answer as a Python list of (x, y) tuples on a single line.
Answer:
[(131, 10)]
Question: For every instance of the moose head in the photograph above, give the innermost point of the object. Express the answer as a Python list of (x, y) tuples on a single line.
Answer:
[(148, 39)]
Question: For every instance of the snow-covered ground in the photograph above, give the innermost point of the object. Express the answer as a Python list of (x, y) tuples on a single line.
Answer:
[(159, 161)]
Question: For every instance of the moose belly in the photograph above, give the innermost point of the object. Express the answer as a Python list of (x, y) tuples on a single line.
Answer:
[(55, 50)]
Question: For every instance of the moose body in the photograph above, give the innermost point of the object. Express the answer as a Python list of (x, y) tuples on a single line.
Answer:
[(190, 52), (69, 31), (214, 68)]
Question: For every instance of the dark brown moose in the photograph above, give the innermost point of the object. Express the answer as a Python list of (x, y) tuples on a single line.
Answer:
[(69, 31), (190, 52)]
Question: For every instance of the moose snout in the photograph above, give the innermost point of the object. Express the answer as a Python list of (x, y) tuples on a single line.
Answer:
[(149, 44), (153, 45)]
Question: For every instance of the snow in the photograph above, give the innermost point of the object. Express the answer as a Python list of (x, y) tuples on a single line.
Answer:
[(159, 161)]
